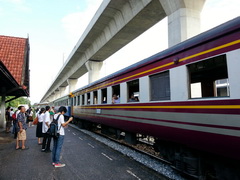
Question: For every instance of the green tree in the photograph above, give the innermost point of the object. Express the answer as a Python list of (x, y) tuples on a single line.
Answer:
[(16, 102)]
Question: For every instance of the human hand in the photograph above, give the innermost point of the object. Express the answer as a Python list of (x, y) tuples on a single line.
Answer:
[(21, 130), (71, 118)]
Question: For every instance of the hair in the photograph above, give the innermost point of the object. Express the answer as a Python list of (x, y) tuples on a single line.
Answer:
[(8, 108), (42, 110), (20, 107), (62, 109), (47, 108), (11, 109)]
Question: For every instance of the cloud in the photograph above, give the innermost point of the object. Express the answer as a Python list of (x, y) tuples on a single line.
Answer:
[(74, 24)]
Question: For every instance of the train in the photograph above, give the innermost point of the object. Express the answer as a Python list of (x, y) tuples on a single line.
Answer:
[(187, 97)]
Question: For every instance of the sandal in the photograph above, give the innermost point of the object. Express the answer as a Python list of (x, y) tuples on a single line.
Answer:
[(18, 148), (26, 148)]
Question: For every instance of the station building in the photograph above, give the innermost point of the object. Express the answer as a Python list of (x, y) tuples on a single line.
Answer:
[(14, 70)]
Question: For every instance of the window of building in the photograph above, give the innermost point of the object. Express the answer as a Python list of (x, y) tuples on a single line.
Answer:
[(95, 97), (116, 94), (209, 78), (88, 98), (133, 91), (83, 99), (160, 86), (104, 95)]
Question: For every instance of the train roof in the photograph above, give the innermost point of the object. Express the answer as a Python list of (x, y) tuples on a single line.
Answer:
[(214, 33)]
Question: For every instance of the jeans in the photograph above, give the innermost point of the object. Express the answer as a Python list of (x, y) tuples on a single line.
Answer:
[(57, 147)]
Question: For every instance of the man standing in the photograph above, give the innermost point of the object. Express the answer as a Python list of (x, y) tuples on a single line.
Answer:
[(22, 126), (46, 138)]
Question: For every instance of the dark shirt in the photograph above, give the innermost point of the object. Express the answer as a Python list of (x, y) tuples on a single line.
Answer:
[(7, 115), (22, 118)]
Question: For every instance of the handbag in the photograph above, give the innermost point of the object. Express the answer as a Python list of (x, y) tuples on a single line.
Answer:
[(35, 122)]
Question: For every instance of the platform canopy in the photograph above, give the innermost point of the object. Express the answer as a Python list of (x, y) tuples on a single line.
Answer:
[(14, 66)]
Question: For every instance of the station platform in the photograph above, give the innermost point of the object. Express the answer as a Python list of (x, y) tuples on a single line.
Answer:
[(85, 159)]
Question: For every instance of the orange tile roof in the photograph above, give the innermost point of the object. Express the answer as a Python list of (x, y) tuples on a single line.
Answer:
[(12, 54)]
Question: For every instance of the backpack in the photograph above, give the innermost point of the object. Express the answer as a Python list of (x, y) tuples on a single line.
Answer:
[(53, 129), (14, 116)]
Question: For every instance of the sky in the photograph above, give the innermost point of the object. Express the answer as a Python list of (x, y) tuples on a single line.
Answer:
[(55, 26)]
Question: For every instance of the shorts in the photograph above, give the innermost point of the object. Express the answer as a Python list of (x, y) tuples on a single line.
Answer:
[(22, 135)]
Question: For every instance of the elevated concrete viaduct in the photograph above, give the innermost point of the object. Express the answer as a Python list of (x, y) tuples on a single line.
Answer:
[(115, 24)]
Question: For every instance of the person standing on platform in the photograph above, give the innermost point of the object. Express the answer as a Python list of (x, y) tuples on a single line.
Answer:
[(11, 113), (8, 120), (46, 138), (58, 142), (52, 112), (29, 116), (15, 125), (39, 133), (22, 127)]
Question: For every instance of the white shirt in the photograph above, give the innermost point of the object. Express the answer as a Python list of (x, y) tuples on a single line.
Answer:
[(41, 117), (46, 120), (31, 113), (60, 122), (11, 113)]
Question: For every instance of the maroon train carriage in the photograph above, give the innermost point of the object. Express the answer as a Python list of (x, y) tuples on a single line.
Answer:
[(187, 97)]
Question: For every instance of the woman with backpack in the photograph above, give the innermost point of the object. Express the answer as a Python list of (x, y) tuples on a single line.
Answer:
[(58, 141)]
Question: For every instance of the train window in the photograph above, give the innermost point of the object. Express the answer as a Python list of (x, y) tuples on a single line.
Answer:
[(83, 99), (75, 101), (209, 78), (88, 98), (78, 102), (160, 86), (133, 91), (104, 95), (95, 97), (116, 94)]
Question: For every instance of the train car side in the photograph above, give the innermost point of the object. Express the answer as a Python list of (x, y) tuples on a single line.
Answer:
[(187, 95)]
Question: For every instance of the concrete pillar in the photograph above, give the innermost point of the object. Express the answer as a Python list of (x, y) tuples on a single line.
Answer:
[(183, 19), (3, 108), (53, 96), (72, 84), (93, 68), (62, 91)]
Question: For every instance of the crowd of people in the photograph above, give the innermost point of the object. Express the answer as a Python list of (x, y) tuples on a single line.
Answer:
[(21, 119)]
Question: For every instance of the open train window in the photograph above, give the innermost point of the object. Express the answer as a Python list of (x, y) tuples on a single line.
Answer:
[(88, 98), (133, 90), (75, 101), (83, 99), (104, 95), (78, 103), (209, 78), (95, 97), (160, 86), (116, 94)]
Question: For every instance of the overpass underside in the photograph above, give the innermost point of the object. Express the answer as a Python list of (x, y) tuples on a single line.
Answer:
[(115, 24)]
